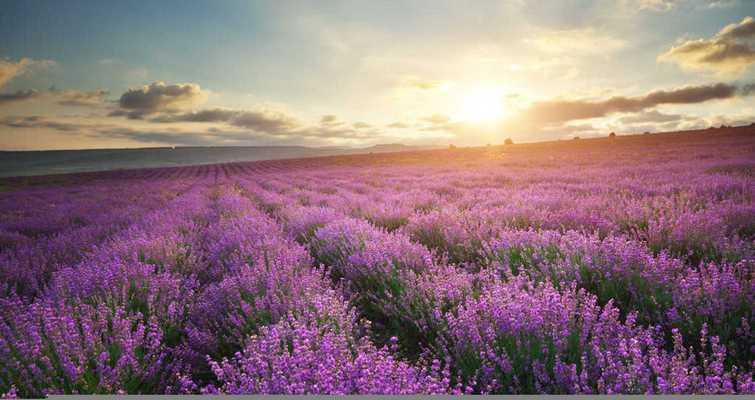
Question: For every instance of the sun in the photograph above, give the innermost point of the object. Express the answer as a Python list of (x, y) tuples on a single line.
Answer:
[(481, 105)]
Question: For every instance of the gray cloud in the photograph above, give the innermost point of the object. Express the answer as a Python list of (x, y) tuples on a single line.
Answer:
[(730, 51), (274, 123), (40, 122), (213, 136), (560, 111), (64, 98), (159, 97), (330, 120), (267, 121), (651, 116), (104, 130), (262, 120), (210, 138), (21, 95)]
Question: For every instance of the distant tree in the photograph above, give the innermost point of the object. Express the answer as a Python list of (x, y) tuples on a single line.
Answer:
[(646, 133), (451, 146), (576, 138), (508, 141), (612, 135)]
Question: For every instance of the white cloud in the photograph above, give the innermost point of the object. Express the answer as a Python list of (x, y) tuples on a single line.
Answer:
[(586, 41)]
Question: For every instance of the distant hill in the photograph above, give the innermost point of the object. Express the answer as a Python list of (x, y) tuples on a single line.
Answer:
[(27, 163)]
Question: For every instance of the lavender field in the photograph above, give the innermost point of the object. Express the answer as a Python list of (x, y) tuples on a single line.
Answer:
[(620, 265)]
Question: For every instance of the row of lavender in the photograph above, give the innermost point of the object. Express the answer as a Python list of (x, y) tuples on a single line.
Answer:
[(517, 277), (695, 306)]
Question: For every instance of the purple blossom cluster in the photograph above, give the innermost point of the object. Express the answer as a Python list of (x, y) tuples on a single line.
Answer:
[(628, 270)]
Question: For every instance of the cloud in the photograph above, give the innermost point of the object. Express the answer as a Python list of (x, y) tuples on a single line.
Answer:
[(80, 99), (259, 120), (268, 121), (10, 69), (662, 6), (209, 138), (159, 97), (40, 122), (99, 130), (575, 41), (657, 5), (422, 84), (330, 120), (730, 51), (209, 115), (21, 95), (274, 123), (398, 125), (64, 97), (650, 116), (721, 3), (560, 111), (437, 119)]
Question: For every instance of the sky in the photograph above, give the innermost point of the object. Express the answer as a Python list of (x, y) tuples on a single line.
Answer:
[(94, 74)]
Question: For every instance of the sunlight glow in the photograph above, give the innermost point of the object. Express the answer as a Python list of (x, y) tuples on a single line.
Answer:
[(481, 105)]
